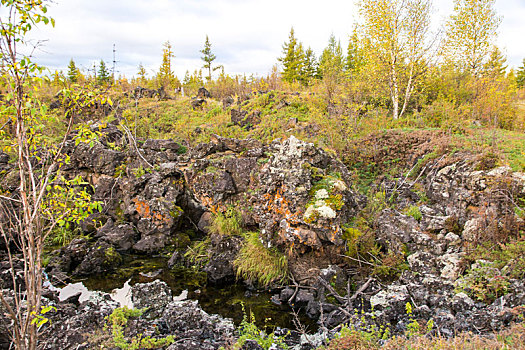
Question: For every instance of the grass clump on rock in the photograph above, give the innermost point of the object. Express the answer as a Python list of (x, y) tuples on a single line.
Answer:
[(227, 223), (257, 263)]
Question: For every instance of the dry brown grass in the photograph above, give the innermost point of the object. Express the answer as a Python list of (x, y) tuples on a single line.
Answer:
[(509, 339), (512, 338)]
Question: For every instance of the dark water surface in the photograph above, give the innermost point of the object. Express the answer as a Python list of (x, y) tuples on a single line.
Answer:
[(226, 301)]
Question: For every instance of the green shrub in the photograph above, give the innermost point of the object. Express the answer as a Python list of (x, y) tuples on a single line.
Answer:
[(257, 263), (351, 236), (60, 236), (484, 281), (248, 330), (197, 253), (414, 212), (509, 257), (349, 338), (390, 265), (116, 323)]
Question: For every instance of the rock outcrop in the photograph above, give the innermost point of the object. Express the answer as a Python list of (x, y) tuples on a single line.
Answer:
[(301, 200), (86, 326)]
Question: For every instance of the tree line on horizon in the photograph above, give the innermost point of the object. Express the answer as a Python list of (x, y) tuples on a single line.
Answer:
[(393, 61)]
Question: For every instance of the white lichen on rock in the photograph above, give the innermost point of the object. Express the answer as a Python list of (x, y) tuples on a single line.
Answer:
[(321, 194), (321, 209), (339, 185), (326, 212)]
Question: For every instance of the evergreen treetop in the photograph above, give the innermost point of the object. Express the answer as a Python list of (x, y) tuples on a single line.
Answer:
[(72, 72), (166, 76), (103, 76), (293, 59), (208, 58)]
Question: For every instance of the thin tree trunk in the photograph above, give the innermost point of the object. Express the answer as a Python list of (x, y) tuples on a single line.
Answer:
[(395, 93), (408, 91)]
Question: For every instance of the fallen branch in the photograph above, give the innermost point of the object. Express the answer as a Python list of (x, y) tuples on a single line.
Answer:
[(360, 290), (332, 291), (133, 141), (296, 289), (358, 260)]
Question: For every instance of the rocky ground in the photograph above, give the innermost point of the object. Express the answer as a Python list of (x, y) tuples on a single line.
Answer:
[(300, 199)]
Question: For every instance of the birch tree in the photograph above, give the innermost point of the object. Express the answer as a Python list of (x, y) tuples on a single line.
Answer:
[(43, 199), (471, 33), (398, 31)]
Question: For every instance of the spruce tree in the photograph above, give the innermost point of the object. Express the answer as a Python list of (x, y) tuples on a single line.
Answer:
[(293, 59), (208, 58), (331, 67), (354, 55), (495, 66), (310, 67), (103, 76), (142, 74), (166, 76), (72, 72), (332, 59)]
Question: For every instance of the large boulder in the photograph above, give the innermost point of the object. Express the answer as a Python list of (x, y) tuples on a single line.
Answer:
[(100, 258), (121, 236), (96, 158), (224, 250), (302, 189), (295, 192), (150, 203)]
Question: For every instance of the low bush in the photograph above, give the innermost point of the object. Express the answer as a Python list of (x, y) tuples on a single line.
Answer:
[(116, 324), (414, 212), (484, 281), (197, 253), (248, 330)]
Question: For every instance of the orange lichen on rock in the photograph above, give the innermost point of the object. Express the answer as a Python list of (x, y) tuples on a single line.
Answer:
[(144, 210)]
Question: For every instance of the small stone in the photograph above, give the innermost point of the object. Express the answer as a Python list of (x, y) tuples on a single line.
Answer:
[(452, 238)]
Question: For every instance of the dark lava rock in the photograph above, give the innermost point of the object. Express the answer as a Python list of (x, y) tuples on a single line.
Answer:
[(227, 102), (67, 259), (245, 120), (84, 326), (303, 297), (4, 158), (121, 236), (153, 296), (205, 221), (141, 92), (286, 294), (251, 345), (224, 250), (97, 158), (92, 222), (55, 104), (203, 93), (197, 103), (100, 258)]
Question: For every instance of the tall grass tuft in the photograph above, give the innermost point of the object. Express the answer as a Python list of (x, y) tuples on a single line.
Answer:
[(258, 263), (227, 223)]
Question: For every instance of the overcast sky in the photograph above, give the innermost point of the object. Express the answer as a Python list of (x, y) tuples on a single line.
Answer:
[(246, 35)]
